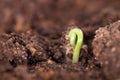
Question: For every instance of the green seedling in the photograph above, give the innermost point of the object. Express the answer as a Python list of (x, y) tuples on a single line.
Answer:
[(76, 40)]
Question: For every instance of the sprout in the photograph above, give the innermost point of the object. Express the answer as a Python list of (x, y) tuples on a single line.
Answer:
[(76, 40)]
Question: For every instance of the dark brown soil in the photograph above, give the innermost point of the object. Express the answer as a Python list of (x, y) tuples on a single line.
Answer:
[(33, 39), (107, 51)]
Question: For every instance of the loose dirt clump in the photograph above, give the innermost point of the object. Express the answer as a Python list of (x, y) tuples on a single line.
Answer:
[(22, 48), (106, 50)]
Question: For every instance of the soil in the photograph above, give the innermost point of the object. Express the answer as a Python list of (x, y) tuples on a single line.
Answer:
[(33, 39)]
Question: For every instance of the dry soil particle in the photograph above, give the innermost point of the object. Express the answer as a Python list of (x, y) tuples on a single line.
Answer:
[(106, 46)]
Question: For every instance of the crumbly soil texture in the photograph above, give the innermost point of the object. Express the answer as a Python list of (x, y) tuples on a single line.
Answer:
[(34, 44)]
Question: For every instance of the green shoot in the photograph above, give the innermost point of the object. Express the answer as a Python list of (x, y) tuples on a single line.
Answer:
[(76, 40)]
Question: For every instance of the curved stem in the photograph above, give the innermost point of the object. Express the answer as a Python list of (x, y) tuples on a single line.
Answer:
[(76, 40)]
